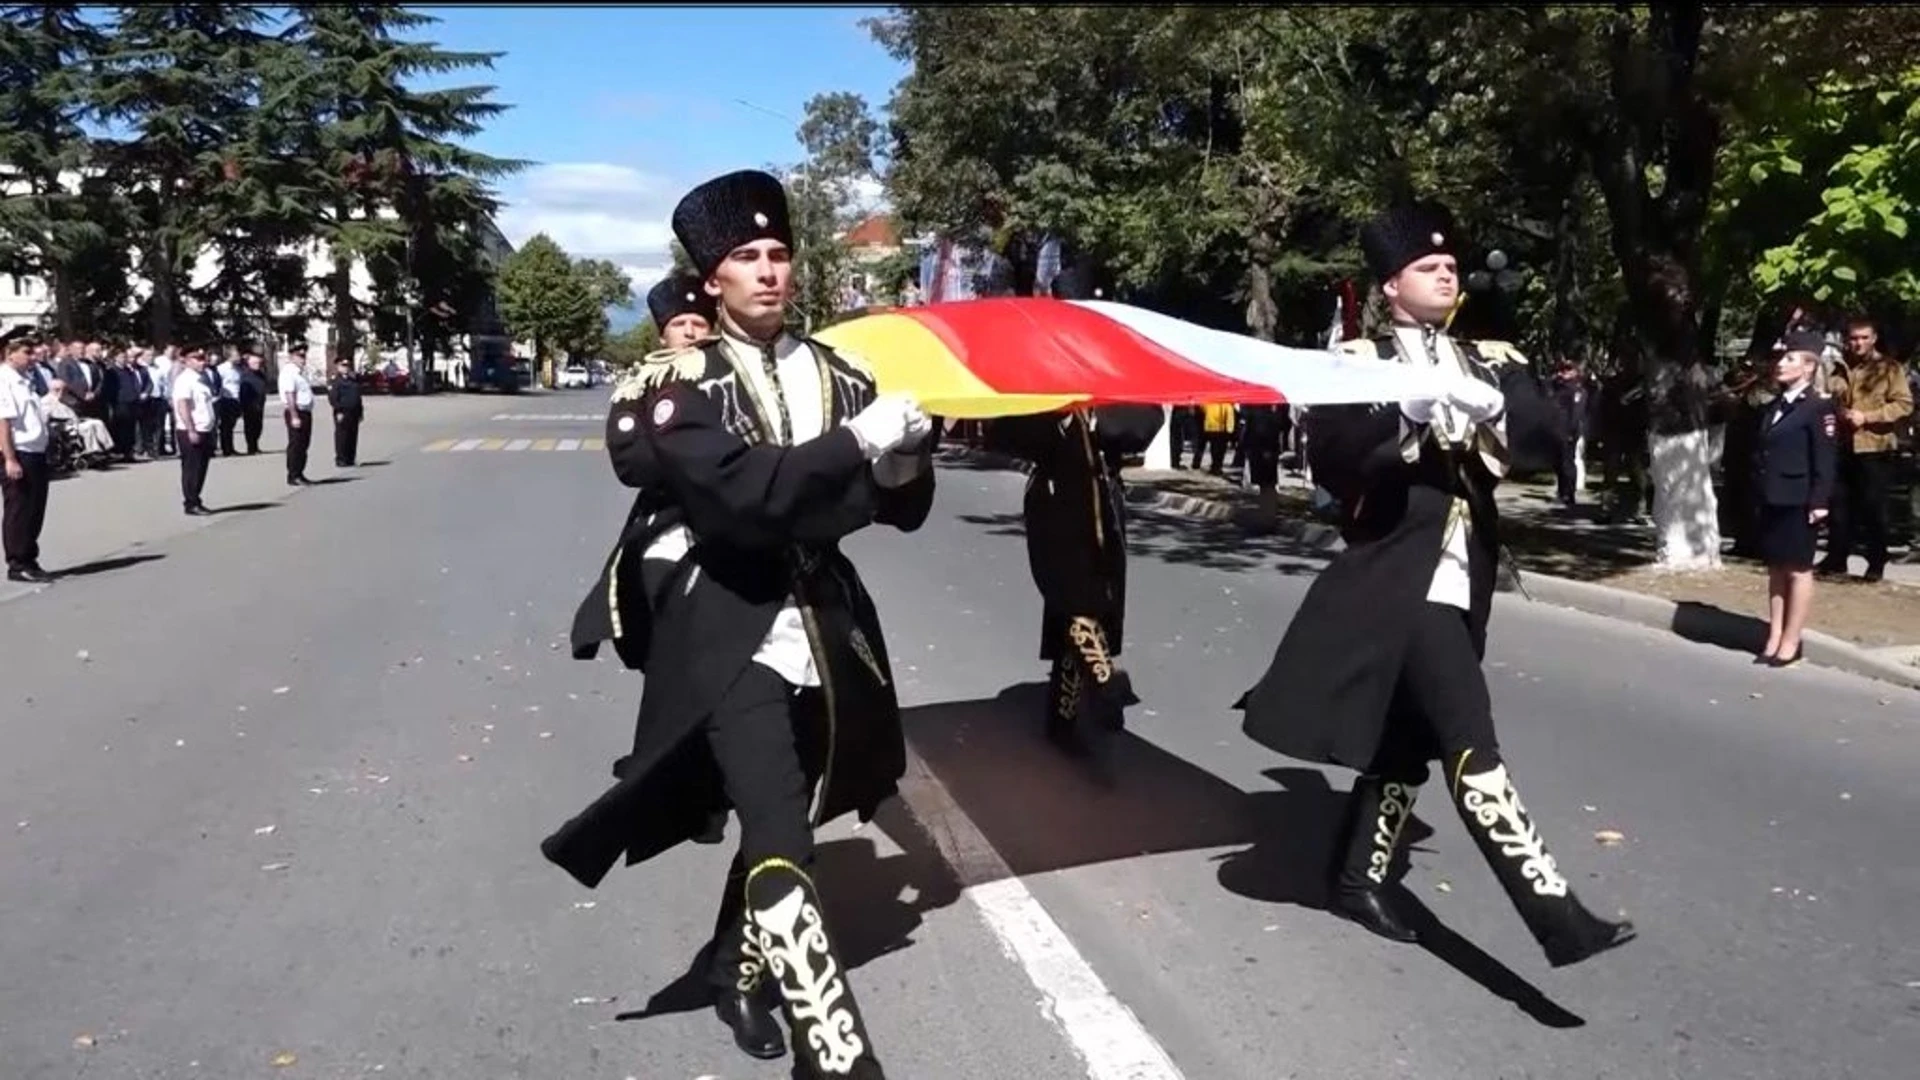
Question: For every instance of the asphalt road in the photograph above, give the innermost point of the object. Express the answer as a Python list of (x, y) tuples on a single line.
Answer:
[(277, 790)]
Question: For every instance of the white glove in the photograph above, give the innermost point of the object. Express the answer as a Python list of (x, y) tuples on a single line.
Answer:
[(886, 423), (1476, 400), (1419, 410), (920, 426)]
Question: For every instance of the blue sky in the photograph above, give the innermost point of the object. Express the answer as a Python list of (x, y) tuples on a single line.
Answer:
[(625, 108)]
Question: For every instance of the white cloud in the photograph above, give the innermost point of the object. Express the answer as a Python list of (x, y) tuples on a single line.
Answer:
[(613, 212), (597, 211)]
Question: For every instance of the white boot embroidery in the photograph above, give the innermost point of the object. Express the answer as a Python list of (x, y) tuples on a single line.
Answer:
[(1493, 802), (791, 935)]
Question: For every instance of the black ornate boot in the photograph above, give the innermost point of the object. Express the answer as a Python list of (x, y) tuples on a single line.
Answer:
[(742, 998), (1063, 704), (1363, 887), (1511, 844), (789, 932), (1107, 690)]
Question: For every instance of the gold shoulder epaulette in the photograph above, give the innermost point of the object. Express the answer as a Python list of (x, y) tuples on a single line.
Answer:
[(1500, 352), (659, 368)]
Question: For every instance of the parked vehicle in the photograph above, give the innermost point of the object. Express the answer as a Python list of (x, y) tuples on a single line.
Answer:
[(574, 376)]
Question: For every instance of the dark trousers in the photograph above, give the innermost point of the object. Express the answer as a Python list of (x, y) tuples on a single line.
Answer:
[(253, 420), (346, 437), (1215, 443), (194, 459), (123, 424), (1858, 518), (1087, 692), (770, 745), (227, 412), (298, 439), (152, 435), (1440, 705), (1567, 470), (25, 510)]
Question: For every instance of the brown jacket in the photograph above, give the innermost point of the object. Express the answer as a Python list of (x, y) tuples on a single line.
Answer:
[(1878, 388)]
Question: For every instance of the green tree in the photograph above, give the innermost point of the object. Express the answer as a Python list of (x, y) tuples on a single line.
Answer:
[(628, 348), (46, 222), (376, 165), (543, 299), (179, 82)]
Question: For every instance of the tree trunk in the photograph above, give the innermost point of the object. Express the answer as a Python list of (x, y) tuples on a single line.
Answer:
[(1659, 121), (163, 304), (63, 313), (346, 337), (1567, 317)]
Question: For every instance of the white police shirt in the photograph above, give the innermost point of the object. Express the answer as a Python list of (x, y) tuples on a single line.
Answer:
[(23, 411), (190, 388), (295, 391)]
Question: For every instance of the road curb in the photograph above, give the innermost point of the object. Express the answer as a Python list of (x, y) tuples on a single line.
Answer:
[(1695, 622)]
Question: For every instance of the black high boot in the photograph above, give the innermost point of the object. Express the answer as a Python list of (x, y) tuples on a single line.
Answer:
[(742, 999), (1363, 888), (787, 927), (1511, 844), (1106, 690)]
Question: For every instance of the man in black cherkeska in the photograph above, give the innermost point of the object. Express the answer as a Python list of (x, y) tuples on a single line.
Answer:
[(684, 315), (767, 676), (1075, 515), (1380, 669)]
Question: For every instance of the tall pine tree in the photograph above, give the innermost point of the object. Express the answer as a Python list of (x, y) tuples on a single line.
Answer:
[(177, 83), (46, 227), (381, 176)]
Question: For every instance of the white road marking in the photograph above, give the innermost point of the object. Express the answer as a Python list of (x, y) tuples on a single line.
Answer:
[(568, 444), (518, 444), (467, 444), (1108, 1037)]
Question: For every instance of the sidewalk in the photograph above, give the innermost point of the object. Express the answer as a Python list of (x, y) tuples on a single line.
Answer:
[(1575, 559)]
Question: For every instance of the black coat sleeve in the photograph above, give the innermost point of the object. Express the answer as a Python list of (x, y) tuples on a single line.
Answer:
[(1823, 458), (906, 507), (745, 496), (627, 445), (1127, 429), (1352, 446)]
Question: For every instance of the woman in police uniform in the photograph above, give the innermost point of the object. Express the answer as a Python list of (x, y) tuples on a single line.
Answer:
[(1793, 471)]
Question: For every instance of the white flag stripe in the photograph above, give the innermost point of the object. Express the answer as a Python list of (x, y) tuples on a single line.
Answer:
[(1303, 376)]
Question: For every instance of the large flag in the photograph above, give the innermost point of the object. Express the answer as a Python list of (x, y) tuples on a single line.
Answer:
[(1015, 355)]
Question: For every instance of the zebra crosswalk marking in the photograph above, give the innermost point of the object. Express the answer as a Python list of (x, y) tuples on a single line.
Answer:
[(518, 444), (466, 444), (543, 444), (437, 446)]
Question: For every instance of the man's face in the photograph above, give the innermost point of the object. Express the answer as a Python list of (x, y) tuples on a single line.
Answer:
[(1861, 341), (683, 330), (95, 351), (254, 362), (19, 356), (194, 359), (754, 281), (1426, 288)]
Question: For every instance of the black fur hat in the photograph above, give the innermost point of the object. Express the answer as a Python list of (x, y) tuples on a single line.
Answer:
[(677, 295), (1407, 234), (730, 211)]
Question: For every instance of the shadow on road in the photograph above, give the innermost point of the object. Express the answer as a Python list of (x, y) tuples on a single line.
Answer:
[(1179, 541), (1142, 800), (104, 566), (372, 464), (242, 508), (1710, 625), (328, 481)]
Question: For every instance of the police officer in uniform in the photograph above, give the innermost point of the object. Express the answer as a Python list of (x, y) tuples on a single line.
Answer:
[(1075, 514), (1380, 669), (768, 688), (343, 393)]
